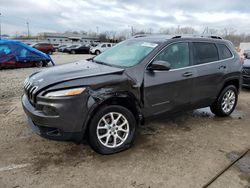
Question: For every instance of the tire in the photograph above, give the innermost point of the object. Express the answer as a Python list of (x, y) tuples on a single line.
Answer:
[(39, 64), (73, 52), (97, 52), (49, 52), (226, 102), (45, 64), (103, 135)]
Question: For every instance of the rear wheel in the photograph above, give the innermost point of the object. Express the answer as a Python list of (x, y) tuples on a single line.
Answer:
[(39, 64), (226, 102), (45, 64), (73, 52), (49, 52), (112, 130)]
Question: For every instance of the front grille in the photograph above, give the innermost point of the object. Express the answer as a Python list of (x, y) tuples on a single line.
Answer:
[(30, 91), (246, 71)]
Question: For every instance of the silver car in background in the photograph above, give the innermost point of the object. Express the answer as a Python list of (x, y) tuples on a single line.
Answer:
[(100, 48)]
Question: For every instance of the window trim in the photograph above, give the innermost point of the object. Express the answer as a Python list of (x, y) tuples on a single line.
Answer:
[(195, 53), (232, 54), (168, 45), (192, 65)]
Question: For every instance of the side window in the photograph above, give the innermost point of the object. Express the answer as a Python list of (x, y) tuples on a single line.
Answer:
[(176, 54), (4, 50), (103, 46), (109, 45), (205, 52), (224, 51)]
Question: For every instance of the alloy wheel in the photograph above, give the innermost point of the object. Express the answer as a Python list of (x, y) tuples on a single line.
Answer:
[(228, 101), (112, 129)]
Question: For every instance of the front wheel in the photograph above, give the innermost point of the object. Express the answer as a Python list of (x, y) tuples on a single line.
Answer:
[(226, 102), (112, 130), (97, 52)]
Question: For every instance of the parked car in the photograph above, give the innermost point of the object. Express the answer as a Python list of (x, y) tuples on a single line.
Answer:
[(78, 49), (100, 48), (67, 49), (247, 54), (63, 47), (59, 47), (246, 72), (44, 47), (15, 54), (106, 97)]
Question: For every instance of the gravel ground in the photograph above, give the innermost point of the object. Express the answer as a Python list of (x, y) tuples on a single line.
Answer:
[(183, 151)]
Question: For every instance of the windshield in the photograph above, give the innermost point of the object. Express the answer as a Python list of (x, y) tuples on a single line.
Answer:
[(126, 54)]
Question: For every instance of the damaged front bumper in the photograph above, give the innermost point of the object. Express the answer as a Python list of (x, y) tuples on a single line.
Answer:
[(53, 119)]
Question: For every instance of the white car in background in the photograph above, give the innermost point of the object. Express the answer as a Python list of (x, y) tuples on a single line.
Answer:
[(100, 48)]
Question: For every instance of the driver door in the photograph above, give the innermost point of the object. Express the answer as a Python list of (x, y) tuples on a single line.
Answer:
[(169, 90)]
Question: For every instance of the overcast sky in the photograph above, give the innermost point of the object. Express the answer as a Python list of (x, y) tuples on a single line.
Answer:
[(62, 15)]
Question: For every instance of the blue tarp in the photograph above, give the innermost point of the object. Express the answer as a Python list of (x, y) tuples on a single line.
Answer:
[(11, 50)]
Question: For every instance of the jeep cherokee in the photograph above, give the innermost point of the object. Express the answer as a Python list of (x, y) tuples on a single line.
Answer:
[(104, 98)]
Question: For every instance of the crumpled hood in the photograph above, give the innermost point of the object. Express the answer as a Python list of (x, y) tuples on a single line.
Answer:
[(71, 71)]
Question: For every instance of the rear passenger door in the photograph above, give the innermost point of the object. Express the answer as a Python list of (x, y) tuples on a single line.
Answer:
[(210, 71)]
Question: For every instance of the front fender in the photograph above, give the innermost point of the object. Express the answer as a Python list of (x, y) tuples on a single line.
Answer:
[(98, 99)]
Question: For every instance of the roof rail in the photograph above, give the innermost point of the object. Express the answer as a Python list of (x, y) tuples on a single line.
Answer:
[(201, 36), (140, 35)]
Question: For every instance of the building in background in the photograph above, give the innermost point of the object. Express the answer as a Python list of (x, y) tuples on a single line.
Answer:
[(57, 39), (66, 38)]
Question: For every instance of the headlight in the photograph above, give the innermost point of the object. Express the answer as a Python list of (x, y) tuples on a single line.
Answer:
[(65, 92)]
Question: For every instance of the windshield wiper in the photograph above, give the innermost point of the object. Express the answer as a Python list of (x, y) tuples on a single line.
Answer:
[(100, 62)]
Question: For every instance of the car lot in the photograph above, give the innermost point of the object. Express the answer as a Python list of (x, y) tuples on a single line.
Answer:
[(187, 150)]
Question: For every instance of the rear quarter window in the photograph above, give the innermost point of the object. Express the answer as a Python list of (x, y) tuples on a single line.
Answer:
[(225, 53), (205, 52)]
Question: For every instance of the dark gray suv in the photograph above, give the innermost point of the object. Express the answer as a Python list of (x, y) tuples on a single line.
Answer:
[(105, 98)]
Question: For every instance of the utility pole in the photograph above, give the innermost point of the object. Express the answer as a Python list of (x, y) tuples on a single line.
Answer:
[(28, 29), (0, 26), (97, 30), (178, 29), (132, 31)]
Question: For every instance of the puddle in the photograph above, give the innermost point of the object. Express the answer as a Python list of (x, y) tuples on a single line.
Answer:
[(206, 112), (203, 112)]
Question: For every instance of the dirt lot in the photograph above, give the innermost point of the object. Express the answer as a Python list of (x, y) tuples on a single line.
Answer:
[(183, 151)]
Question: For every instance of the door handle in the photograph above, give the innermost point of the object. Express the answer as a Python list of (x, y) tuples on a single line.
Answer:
[(187, 74)]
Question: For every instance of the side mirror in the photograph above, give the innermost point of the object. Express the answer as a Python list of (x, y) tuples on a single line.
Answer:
[(160, 65)]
